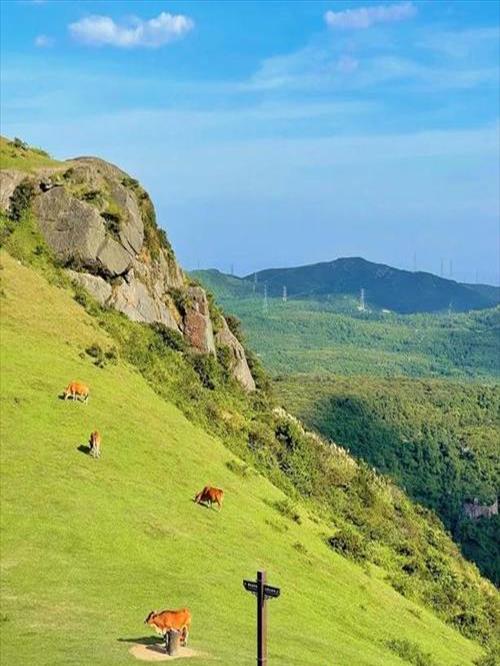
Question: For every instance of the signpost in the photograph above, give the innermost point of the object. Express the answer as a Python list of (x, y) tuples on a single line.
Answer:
[(262, 592)]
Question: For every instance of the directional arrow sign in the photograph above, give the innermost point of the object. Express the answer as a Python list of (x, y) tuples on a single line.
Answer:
[(270, 591), (251, 586)]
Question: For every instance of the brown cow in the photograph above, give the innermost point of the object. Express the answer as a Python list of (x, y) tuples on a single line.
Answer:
[(210, 495), (76, 391), (165, 620), (95, 444)]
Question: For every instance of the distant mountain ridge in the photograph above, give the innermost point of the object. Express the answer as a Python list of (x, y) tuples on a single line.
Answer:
[(385, 287)]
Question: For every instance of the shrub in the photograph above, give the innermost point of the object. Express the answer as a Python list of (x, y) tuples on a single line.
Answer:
[(113, 222), (225, 360), (234, 325), (19, 143), (181, 299), (169, 337), (205, 367), (410, 652), (20, 200), (129, 182), (102, 357), (348, 542)]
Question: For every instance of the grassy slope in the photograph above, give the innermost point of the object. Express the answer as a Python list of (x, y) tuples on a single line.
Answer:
[(90, 547), (12, 157)]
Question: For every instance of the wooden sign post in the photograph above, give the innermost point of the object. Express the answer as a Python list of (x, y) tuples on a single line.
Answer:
[(262, 592)]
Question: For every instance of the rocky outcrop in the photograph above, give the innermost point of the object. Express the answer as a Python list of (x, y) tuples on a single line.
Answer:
[(100, 225), (474, 510), (198, 327), (8, 182), (77, 233), (226, 338)]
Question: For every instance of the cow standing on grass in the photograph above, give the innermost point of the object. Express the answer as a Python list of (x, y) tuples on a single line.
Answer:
[(77, 391), (95, 444), (166, 620), (210, 495)]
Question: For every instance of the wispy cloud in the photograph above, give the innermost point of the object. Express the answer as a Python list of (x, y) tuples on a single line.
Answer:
[(364, 17), (43, 41), (153, 33)]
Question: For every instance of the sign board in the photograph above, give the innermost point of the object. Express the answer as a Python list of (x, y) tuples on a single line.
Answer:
[(269, 591)]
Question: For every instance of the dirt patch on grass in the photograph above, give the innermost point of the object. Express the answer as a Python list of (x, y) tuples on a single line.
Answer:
[(156, 652)]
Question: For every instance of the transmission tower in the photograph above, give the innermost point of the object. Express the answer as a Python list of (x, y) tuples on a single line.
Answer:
[(254, 282), (362, 304), (442, 267), (265, 304), (284, 294), (451, 267), (414, 262)]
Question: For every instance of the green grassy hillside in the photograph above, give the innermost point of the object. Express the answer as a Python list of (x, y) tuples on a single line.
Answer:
[(15, 154), (325, 337), (437, 439), (89, 547)]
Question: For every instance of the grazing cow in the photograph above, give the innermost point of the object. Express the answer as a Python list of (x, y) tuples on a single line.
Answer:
[(76, 391), (210, 495), (165, 620), (95, 444)]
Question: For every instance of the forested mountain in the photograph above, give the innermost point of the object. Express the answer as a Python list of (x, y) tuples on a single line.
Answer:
[(384, 287)]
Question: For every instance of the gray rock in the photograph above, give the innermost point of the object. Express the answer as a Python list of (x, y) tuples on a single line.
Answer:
[(132, 227), (226, 338), (9, 180), (113, 258), (95, 285), (133, 298), (197, 323), (72, 228)]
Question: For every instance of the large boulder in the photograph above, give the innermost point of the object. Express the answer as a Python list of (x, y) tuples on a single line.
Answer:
[(97, 286), (226, 338), (198, 327), (134, 299)]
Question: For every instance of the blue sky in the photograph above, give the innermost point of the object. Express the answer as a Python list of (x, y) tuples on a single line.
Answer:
[(277, 133)]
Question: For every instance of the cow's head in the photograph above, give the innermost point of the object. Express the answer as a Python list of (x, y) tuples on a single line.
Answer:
[(150, 617)]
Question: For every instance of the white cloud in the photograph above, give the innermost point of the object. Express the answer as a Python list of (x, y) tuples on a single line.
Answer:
[(364, 17), (43, 41), (155, 32)]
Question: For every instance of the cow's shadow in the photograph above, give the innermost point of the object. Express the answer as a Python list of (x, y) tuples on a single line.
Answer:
[(143, 640), (151, 643), (84, 448)]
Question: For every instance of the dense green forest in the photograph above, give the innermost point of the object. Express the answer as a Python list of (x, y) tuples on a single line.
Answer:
[(438, 440), (333, 337)]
